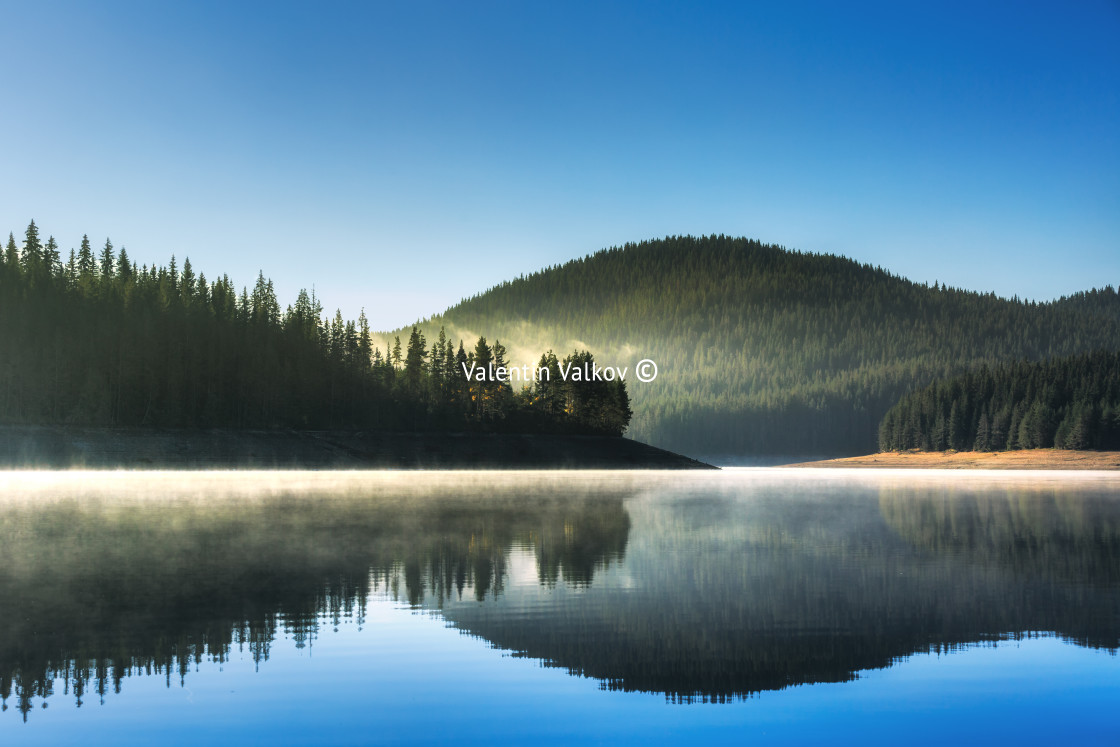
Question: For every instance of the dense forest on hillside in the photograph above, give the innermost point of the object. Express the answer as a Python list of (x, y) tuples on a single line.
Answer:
[(1068, 403), (99, 340), (766, 350)]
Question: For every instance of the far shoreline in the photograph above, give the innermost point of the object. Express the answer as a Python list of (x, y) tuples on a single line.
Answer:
[(1027, 459), (74, 447)]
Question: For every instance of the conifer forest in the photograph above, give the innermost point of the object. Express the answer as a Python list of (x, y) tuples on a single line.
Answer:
[(761, 350), (1067, 403), (97, 339)]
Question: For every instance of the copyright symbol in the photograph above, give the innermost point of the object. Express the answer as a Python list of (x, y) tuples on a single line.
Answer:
[(646, 370)]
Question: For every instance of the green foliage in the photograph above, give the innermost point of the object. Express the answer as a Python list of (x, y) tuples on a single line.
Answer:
[(105, 342), (762, 349), (1067, 403)]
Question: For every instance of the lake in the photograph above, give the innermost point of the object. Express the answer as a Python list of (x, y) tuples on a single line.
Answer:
[(478, 607)]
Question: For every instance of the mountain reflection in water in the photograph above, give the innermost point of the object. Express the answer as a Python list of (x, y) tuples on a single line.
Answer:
[(705, 587)]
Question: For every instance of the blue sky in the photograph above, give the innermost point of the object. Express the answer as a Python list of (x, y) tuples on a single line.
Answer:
[(400, 156)]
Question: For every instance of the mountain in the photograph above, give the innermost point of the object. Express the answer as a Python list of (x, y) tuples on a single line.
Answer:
[(762, 349)]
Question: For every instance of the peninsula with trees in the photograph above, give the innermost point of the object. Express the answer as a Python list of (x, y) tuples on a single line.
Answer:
[(160, 354)]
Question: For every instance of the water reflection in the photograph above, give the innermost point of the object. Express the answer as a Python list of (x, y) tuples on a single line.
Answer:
[(132, 576), (759, 586), (706, 587)]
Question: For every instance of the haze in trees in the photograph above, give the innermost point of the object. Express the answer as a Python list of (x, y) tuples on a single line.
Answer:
[(766, 350)]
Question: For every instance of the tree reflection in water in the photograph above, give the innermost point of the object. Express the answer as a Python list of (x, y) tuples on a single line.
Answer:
[(155, 578), (709, 588)]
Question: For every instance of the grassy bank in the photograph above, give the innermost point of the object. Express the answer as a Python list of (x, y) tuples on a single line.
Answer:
[(1024, 459)]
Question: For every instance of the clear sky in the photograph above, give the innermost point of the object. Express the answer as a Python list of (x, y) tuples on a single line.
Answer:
[(399, 156)]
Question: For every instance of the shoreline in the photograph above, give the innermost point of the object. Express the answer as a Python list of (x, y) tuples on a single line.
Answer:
[(1027, 459), (71, 447)]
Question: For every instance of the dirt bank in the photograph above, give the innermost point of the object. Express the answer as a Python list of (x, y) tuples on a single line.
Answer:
[(61, 447), (1027, 459)]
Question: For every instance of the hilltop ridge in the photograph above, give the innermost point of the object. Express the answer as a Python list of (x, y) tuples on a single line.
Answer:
[(763, 349)]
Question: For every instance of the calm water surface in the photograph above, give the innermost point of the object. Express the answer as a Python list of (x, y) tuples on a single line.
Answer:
[(753, 605)]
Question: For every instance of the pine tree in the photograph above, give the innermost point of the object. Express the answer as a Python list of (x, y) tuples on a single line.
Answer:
[(11, 254), (438, 364), (938, 439), (414, 362), (365, 341), (124, 267), (107, 262), (983, 434), (450, 373), (501, 389), (957, 437), (52, 259), (85, 259), (999, 425), (548, 385), (202, 290), (461, 385), (187, 286), (481, 391), (337, 337), (71, 273), (173, 277), (32, 250)]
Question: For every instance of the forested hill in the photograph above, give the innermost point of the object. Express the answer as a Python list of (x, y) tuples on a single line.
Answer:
[(1097, 302), (766, 350)]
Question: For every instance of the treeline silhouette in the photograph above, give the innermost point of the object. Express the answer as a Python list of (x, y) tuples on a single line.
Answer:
[(766, 350), (1066, 403), (100, 340)]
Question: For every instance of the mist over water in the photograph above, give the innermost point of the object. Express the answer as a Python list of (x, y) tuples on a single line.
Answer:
[(267, 596)]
